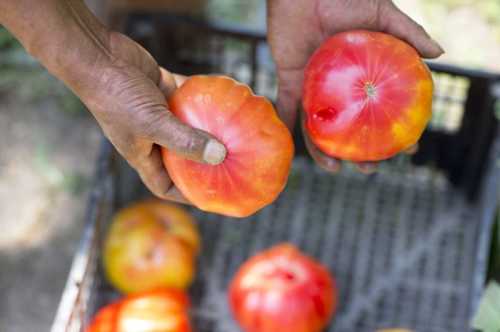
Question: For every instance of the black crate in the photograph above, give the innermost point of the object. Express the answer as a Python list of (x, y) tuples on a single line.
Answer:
[(408, 246)]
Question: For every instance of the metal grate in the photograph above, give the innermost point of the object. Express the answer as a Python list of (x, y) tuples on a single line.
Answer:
[(400, 244), (450, 94)]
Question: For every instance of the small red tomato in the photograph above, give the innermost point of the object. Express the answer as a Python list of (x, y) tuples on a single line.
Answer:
[(367, 96), (156, 311), (259, 147), (282, 289)]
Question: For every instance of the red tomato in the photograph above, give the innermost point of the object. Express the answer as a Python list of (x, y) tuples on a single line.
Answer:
[(259, 147), (105, 319), (157, 311), (367, 96), (150, 245), (281, 289)]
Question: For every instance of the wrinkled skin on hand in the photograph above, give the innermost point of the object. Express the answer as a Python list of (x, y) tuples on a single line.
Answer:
[(295, 32), (130, 106), (119, 82)]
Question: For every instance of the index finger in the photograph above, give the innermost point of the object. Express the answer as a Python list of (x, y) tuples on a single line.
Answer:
[(170, 81)]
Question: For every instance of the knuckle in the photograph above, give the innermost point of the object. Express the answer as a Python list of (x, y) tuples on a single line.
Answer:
[(134, 159), (113, 78), (148, 124), (188, 143), (134, 155), (192, 143), (420, 28)]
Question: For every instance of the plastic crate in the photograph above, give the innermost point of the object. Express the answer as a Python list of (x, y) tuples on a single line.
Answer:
[(409, 246)]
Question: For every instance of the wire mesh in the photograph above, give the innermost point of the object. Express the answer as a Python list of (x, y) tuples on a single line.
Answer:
[(400, 245), (450, 94)]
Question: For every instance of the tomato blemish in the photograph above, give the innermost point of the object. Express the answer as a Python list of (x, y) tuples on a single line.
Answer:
[(326, 114), (285, 275)]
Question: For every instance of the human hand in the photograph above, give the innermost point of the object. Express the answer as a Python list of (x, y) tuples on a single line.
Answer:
[(119, 82), (129, 104), (295, 32)]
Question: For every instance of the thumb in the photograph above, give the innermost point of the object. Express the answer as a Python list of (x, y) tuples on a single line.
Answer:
[(402, 26), (188, 142)]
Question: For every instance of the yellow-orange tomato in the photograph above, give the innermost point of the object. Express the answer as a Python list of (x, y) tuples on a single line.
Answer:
[(155, 311), (367, 96), (150, 245), (259, 147)]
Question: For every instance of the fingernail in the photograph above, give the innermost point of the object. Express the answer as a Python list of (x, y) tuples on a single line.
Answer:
[(437, 46), (214, 152)]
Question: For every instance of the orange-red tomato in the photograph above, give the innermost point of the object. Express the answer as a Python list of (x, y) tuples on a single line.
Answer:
[(105, 320), (281, 289), (155, 311), (259, 147), (150, 245), (367, 96)]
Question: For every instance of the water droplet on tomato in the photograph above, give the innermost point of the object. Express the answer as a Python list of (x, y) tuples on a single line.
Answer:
[(327, 114)]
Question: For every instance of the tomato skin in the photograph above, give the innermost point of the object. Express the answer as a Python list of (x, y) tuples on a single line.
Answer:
[(153, 311), (259, 147), (105, 319), (367, 96), (149, 245), (281, 289)]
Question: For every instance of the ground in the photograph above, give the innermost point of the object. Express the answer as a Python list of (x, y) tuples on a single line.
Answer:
[(47, 157)]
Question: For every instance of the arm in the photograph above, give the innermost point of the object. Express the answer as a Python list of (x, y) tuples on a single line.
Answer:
[(294, 33), (117, 79)]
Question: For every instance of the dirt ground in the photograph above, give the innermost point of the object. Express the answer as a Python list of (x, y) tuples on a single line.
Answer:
[(46, 160)]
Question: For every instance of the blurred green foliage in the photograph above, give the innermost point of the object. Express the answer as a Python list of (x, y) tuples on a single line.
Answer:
[(233, 11), (487, 318), (489, 9), (72, 182), (22, 76)]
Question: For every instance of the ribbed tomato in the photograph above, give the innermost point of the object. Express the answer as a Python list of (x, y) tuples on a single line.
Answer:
[(149, 245), (367, 96), (282, 289), (156, 311), (259, 147)]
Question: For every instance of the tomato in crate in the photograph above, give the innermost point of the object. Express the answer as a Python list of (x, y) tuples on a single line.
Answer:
[(281, 289)]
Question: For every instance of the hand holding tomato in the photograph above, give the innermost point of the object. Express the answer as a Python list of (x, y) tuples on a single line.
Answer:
[(117, 79), (295, 32)]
